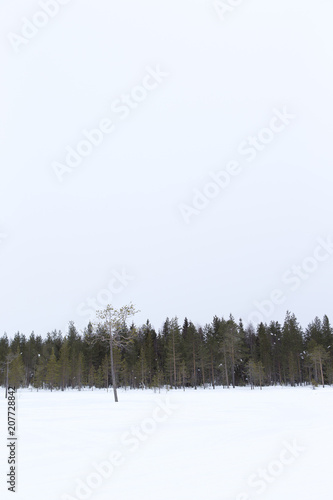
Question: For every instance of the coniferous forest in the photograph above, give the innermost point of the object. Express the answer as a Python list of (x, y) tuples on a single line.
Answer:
[(221, 353)]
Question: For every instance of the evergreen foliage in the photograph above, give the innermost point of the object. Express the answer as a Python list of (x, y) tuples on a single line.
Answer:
[(222, 352)]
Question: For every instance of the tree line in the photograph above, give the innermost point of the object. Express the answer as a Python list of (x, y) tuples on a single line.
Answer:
[(221, 353)]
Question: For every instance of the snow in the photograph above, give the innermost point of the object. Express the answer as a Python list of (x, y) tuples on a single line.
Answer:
[(173, 445)]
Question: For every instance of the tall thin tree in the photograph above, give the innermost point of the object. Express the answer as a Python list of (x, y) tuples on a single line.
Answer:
[(114, 320)]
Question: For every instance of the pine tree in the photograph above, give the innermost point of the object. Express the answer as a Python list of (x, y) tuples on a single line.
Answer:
[(78, 378), (265, 350), (64, 365), (231, 347), (39, 373), (4, 351), (292, 348), (142, 367), (191, 351), (99, 377), (314, 332), (276, 339), (114, 321), (150, 347), (91, 377), (213, 351), (75, 346), (52, 371), (328, 345), (16, 370), (173, 357)]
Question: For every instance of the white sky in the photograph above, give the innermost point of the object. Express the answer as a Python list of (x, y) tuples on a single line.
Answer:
[(119, 209)]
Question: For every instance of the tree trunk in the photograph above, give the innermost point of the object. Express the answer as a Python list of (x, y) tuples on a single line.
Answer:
[(174, 361), (107, 377), (113, 373), (233, 366), (6, 395), (233, 374), (300, 371), (142, 373), (226, 369), (203, 373), (194, 370), (212, 367), (321, 372)]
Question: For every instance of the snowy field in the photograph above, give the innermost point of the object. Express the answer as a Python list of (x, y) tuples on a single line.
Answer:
[(218, 445)]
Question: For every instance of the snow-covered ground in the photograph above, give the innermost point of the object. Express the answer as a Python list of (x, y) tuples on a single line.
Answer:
[(206, 444)]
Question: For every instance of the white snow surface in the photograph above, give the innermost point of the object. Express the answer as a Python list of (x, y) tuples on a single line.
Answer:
[(222, 444)]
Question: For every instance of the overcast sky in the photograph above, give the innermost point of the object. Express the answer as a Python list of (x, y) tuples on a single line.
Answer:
[(208, 187)]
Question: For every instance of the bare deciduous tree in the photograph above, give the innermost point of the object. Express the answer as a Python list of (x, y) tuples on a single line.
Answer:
[(114, 320)]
